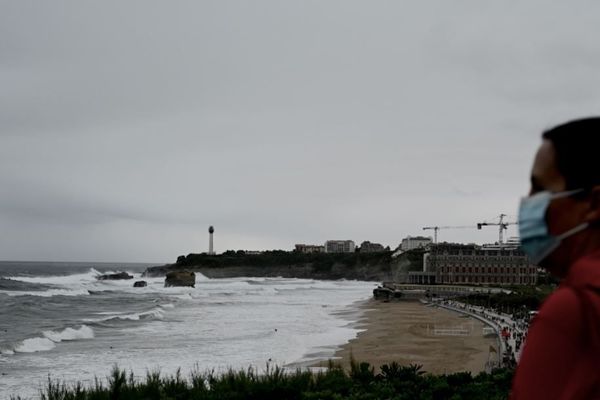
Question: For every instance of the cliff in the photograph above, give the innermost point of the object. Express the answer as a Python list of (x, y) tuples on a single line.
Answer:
[(366, 266)]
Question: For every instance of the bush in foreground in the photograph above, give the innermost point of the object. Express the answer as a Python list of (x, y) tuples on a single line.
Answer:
[(360, 382)]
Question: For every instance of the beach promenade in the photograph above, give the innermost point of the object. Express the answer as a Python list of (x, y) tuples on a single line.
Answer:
[(511, 332)]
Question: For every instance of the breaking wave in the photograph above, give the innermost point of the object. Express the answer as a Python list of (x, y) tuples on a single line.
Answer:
[(49, 339), (34, 345), (156, 313), (68, 280), (84, 332)]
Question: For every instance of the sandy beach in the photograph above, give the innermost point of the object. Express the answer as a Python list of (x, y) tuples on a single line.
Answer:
[(411, 333)]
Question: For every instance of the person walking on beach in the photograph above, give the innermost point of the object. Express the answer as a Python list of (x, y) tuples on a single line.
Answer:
[(559, 226)]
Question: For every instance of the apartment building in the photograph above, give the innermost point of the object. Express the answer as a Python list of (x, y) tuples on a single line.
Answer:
[(340, 246)]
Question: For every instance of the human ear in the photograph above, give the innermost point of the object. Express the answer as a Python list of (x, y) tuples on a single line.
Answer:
[(592, 214)]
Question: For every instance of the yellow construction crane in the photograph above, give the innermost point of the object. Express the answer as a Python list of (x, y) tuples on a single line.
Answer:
[(437, 228), (501, 224)]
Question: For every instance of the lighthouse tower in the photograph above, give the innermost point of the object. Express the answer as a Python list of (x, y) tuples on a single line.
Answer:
[(211, 231)]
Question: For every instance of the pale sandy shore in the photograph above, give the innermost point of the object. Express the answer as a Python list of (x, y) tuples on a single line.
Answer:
[(411, 333)]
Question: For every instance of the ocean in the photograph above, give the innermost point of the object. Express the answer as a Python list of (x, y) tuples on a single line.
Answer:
[(57, 320)]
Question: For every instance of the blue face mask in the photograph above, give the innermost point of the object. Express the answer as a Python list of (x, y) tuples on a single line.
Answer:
[(536, 241)]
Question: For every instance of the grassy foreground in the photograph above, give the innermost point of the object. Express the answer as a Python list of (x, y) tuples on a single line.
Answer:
[(360, 382)]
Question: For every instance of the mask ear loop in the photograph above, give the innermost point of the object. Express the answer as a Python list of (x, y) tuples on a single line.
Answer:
[(579, 227), (573, 231), (568, 193)]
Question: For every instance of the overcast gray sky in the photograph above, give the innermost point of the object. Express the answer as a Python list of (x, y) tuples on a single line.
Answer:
[(128, 127)]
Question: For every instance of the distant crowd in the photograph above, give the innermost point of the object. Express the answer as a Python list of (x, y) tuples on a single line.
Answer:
[(511, 328)]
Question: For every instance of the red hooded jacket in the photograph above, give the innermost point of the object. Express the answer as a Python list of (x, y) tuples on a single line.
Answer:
[(561, 357)]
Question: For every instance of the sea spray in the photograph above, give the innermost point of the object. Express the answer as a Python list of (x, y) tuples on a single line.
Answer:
[(34, 345)]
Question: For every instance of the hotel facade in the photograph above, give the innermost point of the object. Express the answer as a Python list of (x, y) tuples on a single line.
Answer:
[(451, 264)]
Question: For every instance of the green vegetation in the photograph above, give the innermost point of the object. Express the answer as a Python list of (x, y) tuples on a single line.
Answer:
[(521, 298), (279, 257), (393, 382), (289, 264)]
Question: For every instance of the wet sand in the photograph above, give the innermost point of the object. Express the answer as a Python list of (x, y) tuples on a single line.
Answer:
[(405, 332)]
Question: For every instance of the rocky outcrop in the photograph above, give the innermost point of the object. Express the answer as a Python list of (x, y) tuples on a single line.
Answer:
[(387, 294), (115, 277), (180, 278), (140, 284)]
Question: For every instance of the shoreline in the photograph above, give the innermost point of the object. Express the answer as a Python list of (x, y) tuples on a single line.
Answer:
[(407, 332)]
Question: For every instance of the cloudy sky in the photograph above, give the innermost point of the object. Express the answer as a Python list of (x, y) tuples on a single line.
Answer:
[(127, 128)]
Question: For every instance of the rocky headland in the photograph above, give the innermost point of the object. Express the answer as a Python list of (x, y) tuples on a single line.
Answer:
[(352, 266)]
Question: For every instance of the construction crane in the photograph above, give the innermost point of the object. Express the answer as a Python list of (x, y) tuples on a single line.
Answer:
[(501, 224), (437, 228)]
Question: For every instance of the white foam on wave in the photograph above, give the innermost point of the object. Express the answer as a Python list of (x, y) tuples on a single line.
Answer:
[(68, 285), (66, 280), (50, 338), (34, 345), (81, 284), (112, 313), (155, 313), (47, 293), (85, 332), (184, 296), (201, 277), (226, 283)]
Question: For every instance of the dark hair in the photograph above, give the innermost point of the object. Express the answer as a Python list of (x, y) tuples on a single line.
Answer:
[(577, 146)]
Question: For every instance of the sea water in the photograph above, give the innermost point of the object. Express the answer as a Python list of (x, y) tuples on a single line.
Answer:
[(58, 320)]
